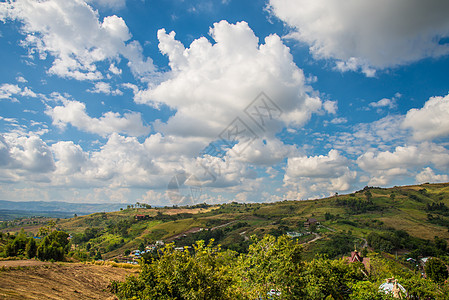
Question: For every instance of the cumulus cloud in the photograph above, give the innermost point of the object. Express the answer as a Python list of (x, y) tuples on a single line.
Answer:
[(74, 113), (385, 166), (262, 152), (428, 175), (28, 154), (367, 35), (319, 175), (385, 102), (8, 91), (431, 121), (209, 85), (71, 32), (104, 88)]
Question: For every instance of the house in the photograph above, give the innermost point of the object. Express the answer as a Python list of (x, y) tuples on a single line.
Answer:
[(356, 257), (294, 234), (142, 217), (310, 221)]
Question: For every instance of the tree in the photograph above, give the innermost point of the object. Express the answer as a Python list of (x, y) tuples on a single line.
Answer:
[(31, 248), (272, 263), (53, 246), (98, 255), (141, 247), (205, 274), (17, 245), (436, 270), (440, 244)]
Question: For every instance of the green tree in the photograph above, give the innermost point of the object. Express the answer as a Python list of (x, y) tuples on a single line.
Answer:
[(98, 255), (436, 270), (17, 245), (53, 246), (31, 248), (331, 278), (205, 274), (141, 246), (272, 263)]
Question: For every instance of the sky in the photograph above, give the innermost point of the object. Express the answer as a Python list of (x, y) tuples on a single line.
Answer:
[(181, 102)]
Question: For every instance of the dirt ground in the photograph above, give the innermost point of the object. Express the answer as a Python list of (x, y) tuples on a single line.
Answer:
[(29, 279)]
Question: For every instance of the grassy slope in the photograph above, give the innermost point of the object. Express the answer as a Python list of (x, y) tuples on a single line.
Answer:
[(60, 281), (406, 212)]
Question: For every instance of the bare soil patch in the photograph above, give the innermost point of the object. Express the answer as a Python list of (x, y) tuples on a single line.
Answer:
[(34, 280)]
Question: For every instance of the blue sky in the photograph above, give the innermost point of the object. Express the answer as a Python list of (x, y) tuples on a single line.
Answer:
[(180, 102)]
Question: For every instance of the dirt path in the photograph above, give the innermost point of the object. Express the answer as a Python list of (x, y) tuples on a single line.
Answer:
[(245, 237), (317, 237), (58, 280)]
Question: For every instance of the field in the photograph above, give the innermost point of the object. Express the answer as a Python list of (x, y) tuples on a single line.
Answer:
[(39, 280)]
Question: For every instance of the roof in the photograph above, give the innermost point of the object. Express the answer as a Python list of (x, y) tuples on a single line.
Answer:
[(312, 220), (355, 256)]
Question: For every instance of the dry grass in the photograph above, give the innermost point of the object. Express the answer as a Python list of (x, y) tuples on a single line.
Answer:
[(60, 281)]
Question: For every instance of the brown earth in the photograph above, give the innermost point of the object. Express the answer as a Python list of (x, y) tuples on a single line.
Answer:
[(28, 279)]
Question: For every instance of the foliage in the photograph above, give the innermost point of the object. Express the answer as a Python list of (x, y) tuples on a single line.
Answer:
[(331, 278), (205, 274), (337, 245), (54, 246), (31, 248), (272, 264), (436, 270)]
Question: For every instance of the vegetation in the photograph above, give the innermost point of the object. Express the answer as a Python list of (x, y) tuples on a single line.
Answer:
[(272, 268), (255, 255), (52, 245)]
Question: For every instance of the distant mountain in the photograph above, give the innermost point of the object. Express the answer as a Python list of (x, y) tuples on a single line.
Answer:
[(59, 206)]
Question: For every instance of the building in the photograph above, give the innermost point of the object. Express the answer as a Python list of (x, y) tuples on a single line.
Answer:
[(356, 257), (142, 217), (310, 222)]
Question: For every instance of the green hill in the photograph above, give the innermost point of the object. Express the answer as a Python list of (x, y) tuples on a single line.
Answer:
[(410, 215)]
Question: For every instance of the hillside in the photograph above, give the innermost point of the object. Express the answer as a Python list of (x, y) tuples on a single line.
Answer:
[(58, 280), (421, 211)]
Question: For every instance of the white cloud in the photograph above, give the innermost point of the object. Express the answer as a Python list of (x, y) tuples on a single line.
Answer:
[(330, 107), (70, 158), (405, 157), (368, 35), (114, 4), (378, 135), (7, 90), (339, 121), (385, 102), (74, 113), (28, 154), (321, 166), (431, 121), (428, 175), (318, 175), (262, 152), (386, 166), (71, 32), (21, 79), (211, 84), (104, 88)]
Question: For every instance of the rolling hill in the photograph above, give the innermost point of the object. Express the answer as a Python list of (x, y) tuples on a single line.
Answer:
[(418, 211)]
